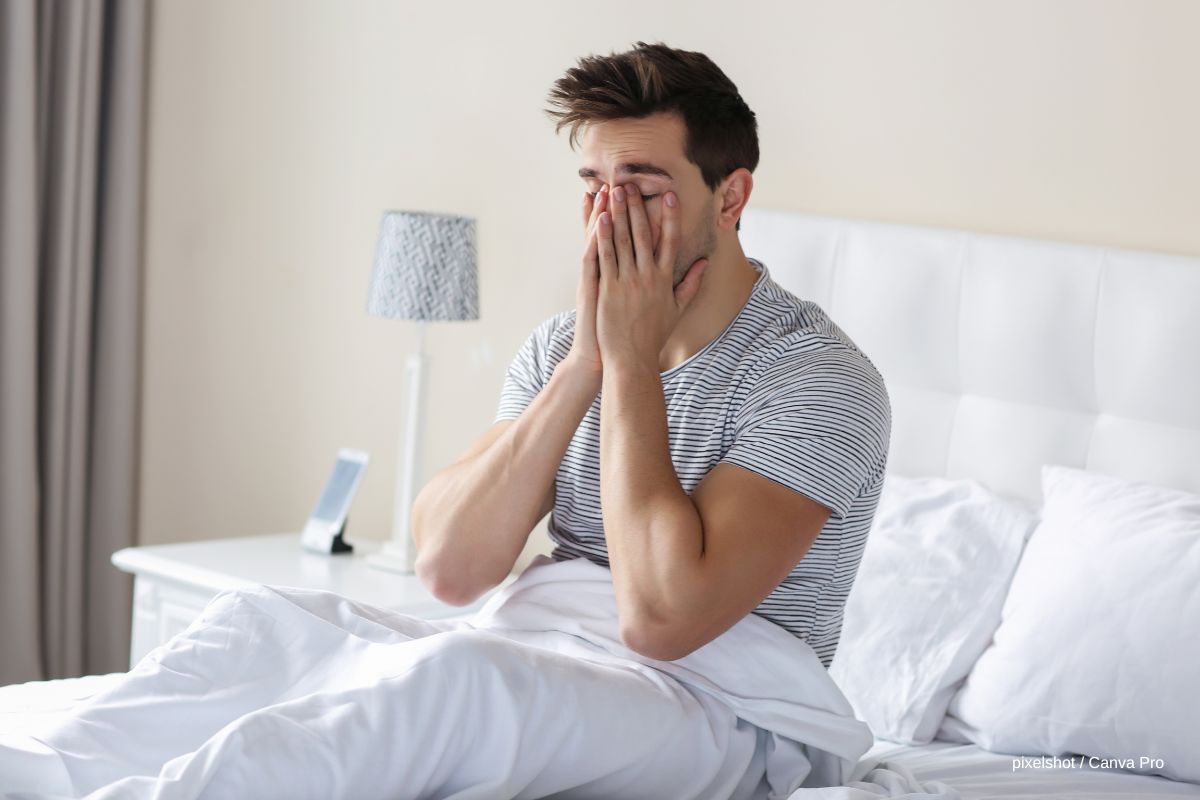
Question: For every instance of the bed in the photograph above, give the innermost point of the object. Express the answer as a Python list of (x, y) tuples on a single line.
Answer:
[(1002, 355), (974, 773)]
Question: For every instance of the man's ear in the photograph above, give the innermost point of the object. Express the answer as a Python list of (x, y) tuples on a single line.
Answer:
[(733, 195)]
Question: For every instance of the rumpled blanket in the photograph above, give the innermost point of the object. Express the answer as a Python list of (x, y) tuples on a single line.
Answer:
[(257, 651)]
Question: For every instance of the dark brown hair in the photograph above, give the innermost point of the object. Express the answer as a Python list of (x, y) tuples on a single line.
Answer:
[(721, 131)]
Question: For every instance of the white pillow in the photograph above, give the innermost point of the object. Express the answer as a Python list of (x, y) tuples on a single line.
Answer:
[(933, 577), (1098, 649)]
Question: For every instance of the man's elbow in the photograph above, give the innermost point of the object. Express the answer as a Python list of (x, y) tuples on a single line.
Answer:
[(442, 584), (654, 642)]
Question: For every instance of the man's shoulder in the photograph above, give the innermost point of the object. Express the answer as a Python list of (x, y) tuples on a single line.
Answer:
[(815, 350), (811, 356), (550, 341), (802, 338), (559, 321), (548, 336)]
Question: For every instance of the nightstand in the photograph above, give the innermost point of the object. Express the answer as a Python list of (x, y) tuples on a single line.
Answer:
[(174, 582)]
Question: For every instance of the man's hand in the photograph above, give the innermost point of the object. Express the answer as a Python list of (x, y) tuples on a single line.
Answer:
[(585, 353), (638, 305)]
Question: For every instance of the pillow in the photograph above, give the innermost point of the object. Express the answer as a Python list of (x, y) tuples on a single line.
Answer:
[(1098, 649), (928, 594)]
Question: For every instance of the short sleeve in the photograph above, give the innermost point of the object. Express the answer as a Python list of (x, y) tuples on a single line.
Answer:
[(819, 424), (528, 371)]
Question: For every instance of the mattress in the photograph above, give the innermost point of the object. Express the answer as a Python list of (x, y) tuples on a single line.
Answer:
[(972, 771), (977, 773)]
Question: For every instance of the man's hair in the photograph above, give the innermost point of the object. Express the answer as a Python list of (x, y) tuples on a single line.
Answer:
[(721, 131)]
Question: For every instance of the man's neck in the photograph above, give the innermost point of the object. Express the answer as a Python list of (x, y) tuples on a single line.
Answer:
[(724, 289)]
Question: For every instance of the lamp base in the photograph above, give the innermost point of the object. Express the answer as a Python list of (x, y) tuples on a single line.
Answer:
[(391, 559)]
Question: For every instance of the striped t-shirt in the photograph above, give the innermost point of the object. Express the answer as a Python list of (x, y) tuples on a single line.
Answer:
[(783, 392)]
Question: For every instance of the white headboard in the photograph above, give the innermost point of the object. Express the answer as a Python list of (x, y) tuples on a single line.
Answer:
[(1002, 353)]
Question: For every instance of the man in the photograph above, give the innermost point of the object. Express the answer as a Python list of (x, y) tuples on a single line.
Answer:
[(716, 442)]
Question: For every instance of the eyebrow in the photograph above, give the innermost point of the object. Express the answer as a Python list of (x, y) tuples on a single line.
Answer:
[(630, 168)]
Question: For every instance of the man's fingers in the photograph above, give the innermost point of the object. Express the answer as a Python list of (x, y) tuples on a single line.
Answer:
[(621, 241), (669, 243), (597, 204), (604, 243), (639, 225), (591, 264)]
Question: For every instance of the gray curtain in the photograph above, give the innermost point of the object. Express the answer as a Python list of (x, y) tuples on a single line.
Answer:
[(72, 77)]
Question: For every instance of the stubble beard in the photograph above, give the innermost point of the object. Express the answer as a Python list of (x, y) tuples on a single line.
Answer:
[(702, 246)]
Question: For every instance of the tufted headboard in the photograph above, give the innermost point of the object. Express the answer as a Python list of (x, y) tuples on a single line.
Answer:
[(1002, 353)]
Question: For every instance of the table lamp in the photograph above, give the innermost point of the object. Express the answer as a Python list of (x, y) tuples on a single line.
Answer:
[(424, 271)]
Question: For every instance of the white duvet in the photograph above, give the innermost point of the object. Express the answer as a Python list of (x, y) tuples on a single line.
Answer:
[(245, 666)]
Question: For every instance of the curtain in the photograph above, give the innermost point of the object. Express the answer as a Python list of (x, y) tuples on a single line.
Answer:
[(72, 100)]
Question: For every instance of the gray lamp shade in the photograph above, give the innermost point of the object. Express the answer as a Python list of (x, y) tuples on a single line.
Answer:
[(425, 267)]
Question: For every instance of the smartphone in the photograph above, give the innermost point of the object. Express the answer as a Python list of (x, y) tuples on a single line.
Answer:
[(325, 526)]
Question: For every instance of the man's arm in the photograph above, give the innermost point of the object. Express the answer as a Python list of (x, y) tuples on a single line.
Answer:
[(686, 569), (471, 520)]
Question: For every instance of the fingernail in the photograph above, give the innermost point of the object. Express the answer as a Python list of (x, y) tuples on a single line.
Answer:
[(618, 194), (670, 198), (604, 218)]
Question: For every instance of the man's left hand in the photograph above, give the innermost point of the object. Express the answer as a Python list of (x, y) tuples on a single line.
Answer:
[(638, 305)]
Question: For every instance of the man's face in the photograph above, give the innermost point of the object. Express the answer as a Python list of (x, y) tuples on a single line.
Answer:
[(653, 145)]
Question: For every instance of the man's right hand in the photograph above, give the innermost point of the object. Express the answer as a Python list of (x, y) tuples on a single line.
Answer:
[(585, 352)]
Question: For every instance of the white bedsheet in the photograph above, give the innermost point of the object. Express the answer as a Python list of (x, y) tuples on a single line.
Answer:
[(761, 672), (976, 773), (27, 707), (888, 770), (939, 769)]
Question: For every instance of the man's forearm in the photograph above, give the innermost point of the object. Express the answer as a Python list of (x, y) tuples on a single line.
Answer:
[(654, 532), (475, 517)]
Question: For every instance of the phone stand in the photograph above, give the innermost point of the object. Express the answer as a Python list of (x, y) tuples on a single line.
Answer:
[(338, 544), (326, 540)]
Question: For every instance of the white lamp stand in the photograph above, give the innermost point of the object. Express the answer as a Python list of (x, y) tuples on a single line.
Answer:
[(400, 553)]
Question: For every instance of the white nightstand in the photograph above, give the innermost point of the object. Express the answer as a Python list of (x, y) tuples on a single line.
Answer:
[(174, 582)]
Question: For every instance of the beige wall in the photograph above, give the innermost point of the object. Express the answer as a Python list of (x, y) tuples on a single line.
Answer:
[(280, 130)]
